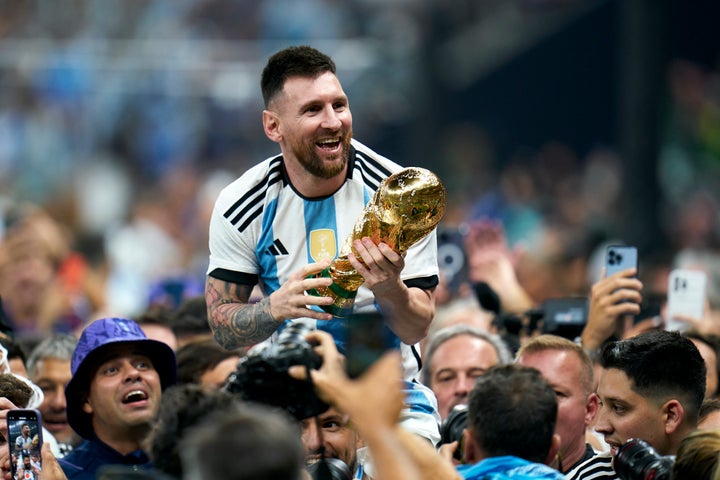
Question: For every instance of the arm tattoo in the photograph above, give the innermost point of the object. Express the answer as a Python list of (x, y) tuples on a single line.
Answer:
[(234, 321)]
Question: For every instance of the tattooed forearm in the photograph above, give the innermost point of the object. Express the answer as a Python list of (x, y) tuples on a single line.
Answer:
[(235, 322)]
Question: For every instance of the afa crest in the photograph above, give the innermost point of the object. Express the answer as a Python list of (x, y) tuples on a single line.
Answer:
[(323, 244)]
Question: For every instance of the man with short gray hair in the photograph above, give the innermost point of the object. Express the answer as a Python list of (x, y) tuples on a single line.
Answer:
[(49, 368), (455, 357)]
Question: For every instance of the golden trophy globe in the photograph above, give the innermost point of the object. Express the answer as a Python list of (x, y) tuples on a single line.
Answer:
[(406, 207)]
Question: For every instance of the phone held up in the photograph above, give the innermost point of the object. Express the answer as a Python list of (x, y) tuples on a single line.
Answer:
[(25, 442), (619, 258), (685, 296)]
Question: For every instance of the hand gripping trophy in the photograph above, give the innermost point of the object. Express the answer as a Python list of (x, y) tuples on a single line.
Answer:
[(406, 207)]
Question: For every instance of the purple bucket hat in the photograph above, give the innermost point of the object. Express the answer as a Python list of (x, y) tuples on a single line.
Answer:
[(93, 341)]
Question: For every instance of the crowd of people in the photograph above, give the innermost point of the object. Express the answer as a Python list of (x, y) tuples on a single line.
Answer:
[(148, 396)]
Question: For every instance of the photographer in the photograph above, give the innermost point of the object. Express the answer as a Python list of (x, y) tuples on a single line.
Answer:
[(374, 402), (375, 399)]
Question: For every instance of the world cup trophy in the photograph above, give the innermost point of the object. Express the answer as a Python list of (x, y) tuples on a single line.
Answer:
[(406, 207)]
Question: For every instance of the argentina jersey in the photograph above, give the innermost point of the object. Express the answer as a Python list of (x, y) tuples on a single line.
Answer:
[(267, 231)]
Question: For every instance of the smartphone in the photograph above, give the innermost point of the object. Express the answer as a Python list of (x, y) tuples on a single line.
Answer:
[(565, 317), (452, 260), (620, 257), (685, 296), (367, 338), (25, 442)]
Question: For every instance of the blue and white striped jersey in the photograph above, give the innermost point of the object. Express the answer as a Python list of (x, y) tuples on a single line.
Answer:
[(262, 230)]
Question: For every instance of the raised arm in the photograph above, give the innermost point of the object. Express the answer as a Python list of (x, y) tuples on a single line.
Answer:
[(237, 323), (374, 402), (610, 299)]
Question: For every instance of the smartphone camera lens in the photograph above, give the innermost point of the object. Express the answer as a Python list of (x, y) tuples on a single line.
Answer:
[(614, 258)]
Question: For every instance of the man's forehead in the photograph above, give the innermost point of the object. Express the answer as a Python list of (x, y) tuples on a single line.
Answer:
[(614, 382), (333, 414), (119, 350)]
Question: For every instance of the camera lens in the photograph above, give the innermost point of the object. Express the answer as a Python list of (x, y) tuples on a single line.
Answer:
[(637, 460), (329, 469), (453, 427)]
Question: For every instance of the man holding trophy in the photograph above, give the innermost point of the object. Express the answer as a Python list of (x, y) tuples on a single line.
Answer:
[(326, 229)]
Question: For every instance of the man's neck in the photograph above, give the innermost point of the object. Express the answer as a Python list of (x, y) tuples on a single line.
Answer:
[(571, 458), (125, 442)]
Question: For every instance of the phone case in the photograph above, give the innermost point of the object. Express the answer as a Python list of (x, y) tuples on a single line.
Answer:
[(685, 296), (24, 449), (620, 257)]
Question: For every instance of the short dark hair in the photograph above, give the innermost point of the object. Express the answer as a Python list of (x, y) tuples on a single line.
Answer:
[(196, 358), (295, 61), (183, 407), (190, 317), (260, 442), (661, 365), (512, 411)]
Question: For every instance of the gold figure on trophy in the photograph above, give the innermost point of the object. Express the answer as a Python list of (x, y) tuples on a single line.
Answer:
[(406, 207)]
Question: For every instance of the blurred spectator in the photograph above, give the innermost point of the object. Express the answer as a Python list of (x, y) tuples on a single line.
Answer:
[(155, 322), (697, 456), (49, 368), (455, 357), (205, 363), (37, 299), (709, 348), (14, 356), (189, 322), (263, 443), (709, 415), (183, 407), (569, 370)]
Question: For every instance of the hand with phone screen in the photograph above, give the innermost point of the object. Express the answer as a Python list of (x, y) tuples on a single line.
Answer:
[(686, 299), (24, 428), (50, 467), (615, 296)]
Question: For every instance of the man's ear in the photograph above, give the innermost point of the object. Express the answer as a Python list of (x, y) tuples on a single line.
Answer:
[(271, 125), (554, 449), (86, 407), (591, 408), (674, 413)]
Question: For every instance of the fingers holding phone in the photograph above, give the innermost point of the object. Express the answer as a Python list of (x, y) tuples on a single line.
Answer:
[(24, 434), (616, 295)]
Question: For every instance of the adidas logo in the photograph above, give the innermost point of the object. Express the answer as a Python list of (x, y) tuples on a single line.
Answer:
[(277, 248)]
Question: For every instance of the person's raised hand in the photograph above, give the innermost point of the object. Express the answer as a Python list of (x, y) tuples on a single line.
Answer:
[(611, 299)]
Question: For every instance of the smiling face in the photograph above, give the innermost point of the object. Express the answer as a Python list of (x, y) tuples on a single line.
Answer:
[(311, 121), (52, 375), (625, 414), (124, 393), (339, 439)]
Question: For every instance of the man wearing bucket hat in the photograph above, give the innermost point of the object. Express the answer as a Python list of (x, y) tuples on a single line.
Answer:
[(118, 376)]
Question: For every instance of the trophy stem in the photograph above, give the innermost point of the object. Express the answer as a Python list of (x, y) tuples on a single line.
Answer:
[(343, 299)]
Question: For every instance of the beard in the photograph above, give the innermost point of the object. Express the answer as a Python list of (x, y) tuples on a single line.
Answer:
[(313, 164)]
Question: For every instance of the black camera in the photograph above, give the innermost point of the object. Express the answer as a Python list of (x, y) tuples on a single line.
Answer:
[(452, 428), (329, 468), (261, 376), (565, 317), (637, 460)]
